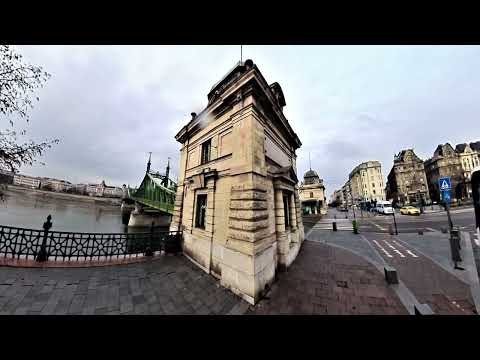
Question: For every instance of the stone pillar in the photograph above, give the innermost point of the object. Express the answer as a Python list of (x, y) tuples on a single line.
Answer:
[(176, 223), (293, 212), (283, 243), (298, 207)]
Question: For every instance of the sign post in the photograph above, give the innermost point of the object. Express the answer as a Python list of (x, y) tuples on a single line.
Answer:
[(445, 187)]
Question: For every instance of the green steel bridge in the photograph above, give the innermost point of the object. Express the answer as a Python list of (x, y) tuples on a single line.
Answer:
[(156, 191)]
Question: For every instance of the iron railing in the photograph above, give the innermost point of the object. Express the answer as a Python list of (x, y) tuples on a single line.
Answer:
[(42, 245)]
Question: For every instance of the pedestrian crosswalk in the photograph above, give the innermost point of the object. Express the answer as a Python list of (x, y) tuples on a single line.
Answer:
[(327, 224), (392, 248)]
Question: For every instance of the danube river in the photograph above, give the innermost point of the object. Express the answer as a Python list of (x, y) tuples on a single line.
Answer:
[(29, 209)]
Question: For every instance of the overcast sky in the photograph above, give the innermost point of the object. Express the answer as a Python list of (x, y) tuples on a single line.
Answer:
[(111, 105)]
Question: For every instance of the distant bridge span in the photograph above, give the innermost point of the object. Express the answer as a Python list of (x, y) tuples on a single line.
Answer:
[(155, 191)]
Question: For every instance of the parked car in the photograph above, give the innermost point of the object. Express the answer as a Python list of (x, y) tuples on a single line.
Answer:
[(384, 207), (409, 210)]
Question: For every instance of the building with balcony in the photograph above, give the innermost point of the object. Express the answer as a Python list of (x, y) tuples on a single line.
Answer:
[(469, 159), (366, 182), (407, 182), (445, 162), (26, 181)]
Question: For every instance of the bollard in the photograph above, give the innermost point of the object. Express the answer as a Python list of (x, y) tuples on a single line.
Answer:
[(420, 231), (355, 226), (334, 226), (43, 254), (390, 275), (390, 230), (444, 229)]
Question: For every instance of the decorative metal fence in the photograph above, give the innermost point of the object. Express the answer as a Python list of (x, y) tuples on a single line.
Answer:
[(42, 245)]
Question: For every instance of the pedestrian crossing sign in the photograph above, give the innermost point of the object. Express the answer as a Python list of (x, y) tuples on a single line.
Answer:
[(445, 184)]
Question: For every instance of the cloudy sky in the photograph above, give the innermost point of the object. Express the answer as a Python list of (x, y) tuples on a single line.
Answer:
[(111, 105)]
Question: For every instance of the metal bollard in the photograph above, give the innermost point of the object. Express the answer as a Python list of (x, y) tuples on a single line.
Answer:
[(355, 226), (334, 226), (420, 231), (43, 253), (390, 230)]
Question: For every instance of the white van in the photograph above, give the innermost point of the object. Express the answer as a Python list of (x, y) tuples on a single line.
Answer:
[(384, 207)]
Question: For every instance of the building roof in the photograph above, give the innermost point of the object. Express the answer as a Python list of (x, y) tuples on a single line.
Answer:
[(310, 173), (475, 146), (460, 148), (275, 94)]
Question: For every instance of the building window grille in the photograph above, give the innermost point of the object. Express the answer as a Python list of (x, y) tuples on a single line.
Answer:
[(201, 211), (206, 146)]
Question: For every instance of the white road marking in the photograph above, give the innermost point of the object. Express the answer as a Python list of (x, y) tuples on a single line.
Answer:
[(382, 248), (437, 231), (378, 226), (399, 253), (406, 250), (410, 253)]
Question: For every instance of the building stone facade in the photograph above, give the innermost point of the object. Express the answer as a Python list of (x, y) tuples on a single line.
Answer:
[(407, 182), (27, 181), (347, 194), (366, 182), (312, 194), (445, 162), (237, 199), (337, 198), (469, 159)]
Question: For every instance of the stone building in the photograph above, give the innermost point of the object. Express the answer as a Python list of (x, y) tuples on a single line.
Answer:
[(312, 194), (407, 181), (237, 199), (337, 198), (347, 194), (445, 162), (469, 159), (366, 182), (27, 181), (103, 190)]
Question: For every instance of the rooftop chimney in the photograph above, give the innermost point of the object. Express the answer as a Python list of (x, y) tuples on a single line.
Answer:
[(194, 115)]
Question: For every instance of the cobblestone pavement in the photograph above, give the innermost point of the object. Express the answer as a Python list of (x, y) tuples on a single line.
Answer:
[(327, 280), (167, 285), (428, 281)]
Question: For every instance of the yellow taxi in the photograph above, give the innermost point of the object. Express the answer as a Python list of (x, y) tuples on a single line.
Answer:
[(409, 210)]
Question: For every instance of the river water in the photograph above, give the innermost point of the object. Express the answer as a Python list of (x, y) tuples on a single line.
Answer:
[(29, 209)]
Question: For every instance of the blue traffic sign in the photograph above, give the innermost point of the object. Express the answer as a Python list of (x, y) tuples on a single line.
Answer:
[(446, 196), (444, 184)]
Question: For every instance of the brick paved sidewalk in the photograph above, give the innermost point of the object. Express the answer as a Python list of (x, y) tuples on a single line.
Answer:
[(444, 292), (329, 280), (168, 285)]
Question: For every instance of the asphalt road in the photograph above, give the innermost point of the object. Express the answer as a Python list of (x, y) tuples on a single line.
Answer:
[(462, 217)]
